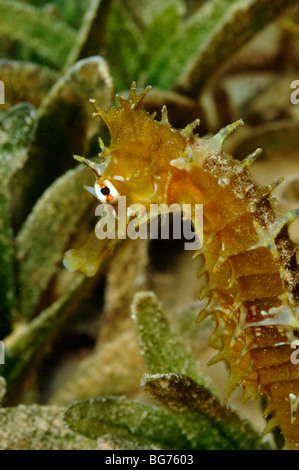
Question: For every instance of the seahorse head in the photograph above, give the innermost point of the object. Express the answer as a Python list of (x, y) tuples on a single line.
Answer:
[(147, 162), (137, 163)]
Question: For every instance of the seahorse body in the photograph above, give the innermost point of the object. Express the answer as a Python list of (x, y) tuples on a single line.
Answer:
[(250, 262)]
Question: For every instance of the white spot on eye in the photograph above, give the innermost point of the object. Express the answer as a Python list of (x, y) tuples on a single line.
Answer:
[(106, 192)]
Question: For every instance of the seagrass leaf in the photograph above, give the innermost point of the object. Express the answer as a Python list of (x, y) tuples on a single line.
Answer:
[(208, 38), (143, 12), (164, 24), (193, 5), (49, 39), (16, 130), (43, 238), (124, 46), (242, 21), (131, 424), (64, 127), (2, 388), (91, 38), (116, 353), (28, 343), (206, 422), (162, 350), (14, 72), (39, 428)]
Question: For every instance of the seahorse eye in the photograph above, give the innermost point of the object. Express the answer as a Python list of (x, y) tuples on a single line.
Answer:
[(106, 192)]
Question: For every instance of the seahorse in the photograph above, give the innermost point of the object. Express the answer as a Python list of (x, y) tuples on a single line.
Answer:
[(252, 277)]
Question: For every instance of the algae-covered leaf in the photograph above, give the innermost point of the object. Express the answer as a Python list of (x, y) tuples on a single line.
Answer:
[(144, 29), (179, 385), (64, 126), (117, 353), (163, 26), (124, 46), (143, 12), (68, 10), (49, 38), (92, 34), (209, 37), (16, 130), (127, 422), (206, 422), (42, 240), (162, 350), (193, 5), (2, 388), (39, 428), (240, 23), (29, 342), (14, 72)]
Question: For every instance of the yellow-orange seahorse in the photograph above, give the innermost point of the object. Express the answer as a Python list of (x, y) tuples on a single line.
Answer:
[(250, 261)]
